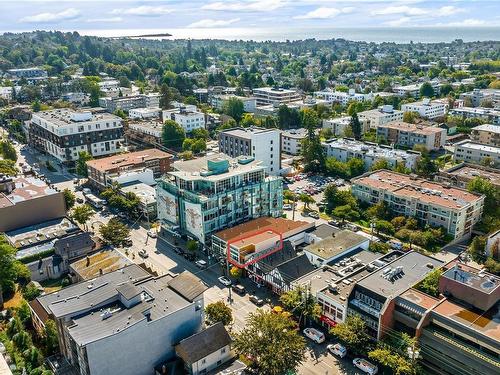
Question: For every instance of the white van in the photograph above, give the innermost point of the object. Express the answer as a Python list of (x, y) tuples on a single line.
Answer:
[(315, 335)]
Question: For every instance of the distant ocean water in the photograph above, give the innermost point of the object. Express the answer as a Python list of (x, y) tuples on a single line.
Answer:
[(377, 35)]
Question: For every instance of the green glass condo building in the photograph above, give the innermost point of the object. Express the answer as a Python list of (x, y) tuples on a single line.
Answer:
[(202, 196)]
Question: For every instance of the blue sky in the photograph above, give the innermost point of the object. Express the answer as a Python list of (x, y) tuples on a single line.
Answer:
[(24, 15)]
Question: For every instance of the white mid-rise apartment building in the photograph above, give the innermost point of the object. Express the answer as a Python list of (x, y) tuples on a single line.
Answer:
[(342, 97), (491, 115), (144, 113), (291, 141), (339, 125), (63, 133), (189, 119), (218, 101), (438, 205), (472, 152), (262, 144), (275, 96), (344, 149), (426, 108), (413, 90), (127, 103), (380, 116)]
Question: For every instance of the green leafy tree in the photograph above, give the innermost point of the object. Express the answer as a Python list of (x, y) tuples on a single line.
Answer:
[(30, 292), (380, 164), (356, 167), (353, 333), (82, 214), (114, 232), (388, 357), (306, 199), (8, 167), (172, 134), (192, 246), (49, 336), (69, 198), (378, 211), (477, 249), (235, 272), (426, 90), (8, 269), (492, 194), (81, 163), (346, 212), (302, 303), (24, 312), (410, 117), (271, 342), (234, 107), (430, 284), (384, 226), (355, 126), (8, 151), (219, 312)]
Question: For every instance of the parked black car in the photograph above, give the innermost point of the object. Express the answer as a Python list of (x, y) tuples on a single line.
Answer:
[(256, 300), (239, 289)]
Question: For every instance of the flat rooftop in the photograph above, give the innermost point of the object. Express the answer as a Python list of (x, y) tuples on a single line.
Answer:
[(246, 132), (407, 186), (137, 158), (197, 169), (413, 128), (469, 171), (281, 225), (33, 235), (295, 133), (146, 193), (486, 323), (104, 261), (418, 298), (414, 267), (478, 147), (273, 90), (481, 281), (332, 246), (488, 128), (379, 112), (146, 124), (64, 116), (26, 188), (369, 149)]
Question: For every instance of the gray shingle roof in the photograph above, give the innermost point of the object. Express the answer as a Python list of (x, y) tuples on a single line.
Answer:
[(188, 285), (203, 343)]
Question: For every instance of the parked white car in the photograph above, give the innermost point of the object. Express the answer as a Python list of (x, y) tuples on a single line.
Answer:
[(315, 335), (337, 349), (152, 234), (365, 366), (201, 264), (225, 281)]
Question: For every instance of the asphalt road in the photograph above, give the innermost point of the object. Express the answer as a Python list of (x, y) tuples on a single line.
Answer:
[(162, 259)]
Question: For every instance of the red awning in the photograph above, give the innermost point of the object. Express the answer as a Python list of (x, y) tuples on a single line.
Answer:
[(328, 320)]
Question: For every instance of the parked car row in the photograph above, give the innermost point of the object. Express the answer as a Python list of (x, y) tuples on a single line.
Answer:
[(340, 351)]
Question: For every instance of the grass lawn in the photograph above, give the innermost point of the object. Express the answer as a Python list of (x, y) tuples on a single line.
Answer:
[(15, 301), (52, 285)]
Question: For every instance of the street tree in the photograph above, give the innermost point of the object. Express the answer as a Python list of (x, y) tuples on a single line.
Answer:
[(346, 212), (306, 199), (353, 333), (399, 364), (69, 198), (81, 163), (235, 272), (219, 312), (114, 232), (271, 342), (302, 303), (192, 246), (82, 214)]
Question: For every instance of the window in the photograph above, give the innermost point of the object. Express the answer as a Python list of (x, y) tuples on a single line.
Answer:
[(223, 350), (203, 361)]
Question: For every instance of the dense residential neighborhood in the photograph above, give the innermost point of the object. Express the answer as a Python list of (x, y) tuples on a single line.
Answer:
[(188, 206)]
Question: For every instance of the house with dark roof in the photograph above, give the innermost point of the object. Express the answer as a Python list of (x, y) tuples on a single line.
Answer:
[(206, 350)]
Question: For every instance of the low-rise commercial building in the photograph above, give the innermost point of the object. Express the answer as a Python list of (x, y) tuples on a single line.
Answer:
[(63, 133), (146, 133), (100, 321), (259, 143), (189, 119), (486, 134), (146, 195), (457, 331), (27, 201), (460, 175), (380, 116), (344, 149), (275, 96), (472, 152), (372, 298), (454, 209), (205, 195), (103, 171), (409, 135), (428, 109), (291, 141)]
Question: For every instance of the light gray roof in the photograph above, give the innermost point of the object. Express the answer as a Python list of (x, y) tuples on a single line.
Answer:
[(188, 285), (332, 246)]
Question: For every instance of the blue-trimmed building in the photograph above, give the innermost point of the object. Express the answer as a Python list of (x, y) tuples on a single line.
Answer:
[(202, 196)]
